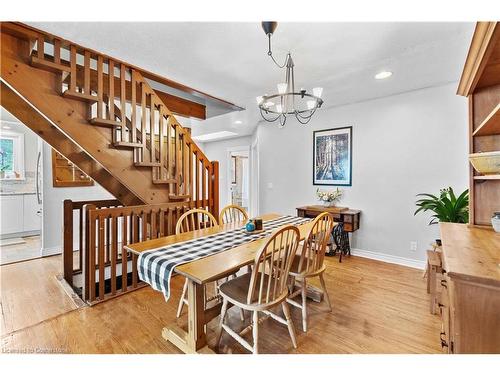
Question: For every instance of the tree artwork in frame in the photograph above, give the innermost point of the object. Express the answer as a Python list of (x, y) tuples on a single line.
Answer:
[(332, 157)]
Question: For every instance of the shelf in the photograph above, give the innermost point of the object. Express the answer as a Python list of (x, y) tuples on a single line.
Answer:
[(488, 177), (490, 125)]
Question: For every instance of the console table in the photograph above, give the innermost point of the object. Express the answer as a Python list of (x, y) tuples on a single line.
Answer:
[(348, 222)]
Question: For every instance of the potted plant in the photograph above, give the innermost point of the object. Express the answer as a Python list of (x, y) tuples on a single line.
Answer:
[(329, 198), (447, 207)]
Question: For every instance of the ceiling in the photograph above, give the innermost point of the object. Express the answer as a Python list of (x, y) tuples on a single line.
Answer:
[(229, 60)]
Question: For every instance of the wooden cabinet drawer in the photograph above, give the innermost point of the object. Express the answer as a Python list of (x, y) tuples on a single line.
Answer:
[(348, 227), (347, 219)]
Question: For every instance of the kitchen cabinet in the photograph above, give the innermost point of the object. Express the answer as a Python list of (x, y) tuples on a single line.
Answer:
[(12, 220), (20, 214), (32, 213)]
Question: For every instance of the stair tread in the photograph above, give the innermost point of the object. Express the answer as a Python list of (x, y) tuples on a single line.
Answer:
[(105, 122), (80, 96), (48, 65), (165, 181), (179, 196), (128, 144), (146, 164)]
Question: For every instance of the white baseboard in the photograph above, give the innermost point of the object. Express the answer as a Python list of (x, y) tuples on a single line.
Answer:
[(420, 264), (48, 251)]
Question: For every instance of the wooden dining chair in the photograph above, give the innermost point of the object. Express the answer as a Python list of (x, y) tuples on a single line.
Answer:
[(309, 263), (232, 214), (264, 288), (192, 220)]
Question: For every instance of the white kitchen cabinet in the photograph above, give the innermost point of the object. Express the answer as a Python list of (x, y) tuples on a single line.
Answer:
[(32, 213), (20, 215), (12, 214)]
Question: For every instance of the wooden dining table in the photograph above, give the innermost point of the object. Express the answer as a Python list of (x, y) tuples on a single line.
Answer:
[(201, 272)]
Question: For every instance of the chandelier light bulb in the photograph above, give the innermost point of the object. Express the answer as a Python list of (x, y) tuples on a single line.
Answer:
[(279, 109), (282, 88), (317, 91), (311, 104), (259, 99)]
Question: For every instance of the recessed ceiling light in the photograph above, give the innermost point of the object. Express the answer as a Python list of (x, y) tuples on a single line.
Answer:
[(213, 136), (383, 75), (6, 127), (237, 122)]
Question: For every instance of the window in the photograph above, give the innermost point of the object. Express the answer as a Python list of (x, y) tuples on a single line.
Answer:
[(11, 155)]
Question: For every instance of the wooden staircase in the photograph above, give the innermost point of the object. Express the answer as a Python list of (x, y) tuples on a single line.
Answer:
[(104, 116)]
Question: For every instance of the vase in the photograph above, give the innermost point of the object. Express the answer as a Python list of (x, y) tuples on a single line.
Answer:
[(329, 204)]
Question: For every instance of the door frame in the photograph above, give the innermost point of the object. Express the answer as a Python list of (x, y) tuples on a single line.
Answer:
[(227, 182)]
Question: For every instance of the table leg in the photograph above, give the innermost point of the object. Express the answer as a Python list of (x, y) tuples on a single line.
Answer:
[(194, 340)]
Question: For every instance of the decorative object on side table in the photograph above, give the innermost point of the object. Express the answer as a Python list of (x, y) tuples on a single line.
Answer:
[(495, 221), (329, 198), (332, 157)]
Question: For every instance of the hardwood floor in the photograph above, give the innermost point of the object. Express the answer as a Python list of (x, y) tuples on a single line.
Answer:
[(30, 293), (377, 308), (29, 249)]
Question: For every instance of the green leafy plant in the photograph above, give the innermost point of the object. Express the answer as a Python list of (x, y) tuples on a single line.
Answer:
[(447, 207)]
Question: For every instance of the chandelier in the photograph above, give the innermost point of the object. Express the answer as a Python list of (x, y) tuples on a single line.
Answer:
[(287, 101)]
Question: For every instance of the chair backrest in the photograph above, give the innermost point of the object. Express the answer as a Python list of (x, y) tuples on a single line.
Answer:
[(232, 214), (272, 265), (195, 219), (315, 243)]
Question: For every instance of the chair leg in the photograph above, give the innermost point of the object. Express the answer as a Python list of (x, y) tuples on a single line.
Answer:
[(255, 332), (222, 315), (183, 297), (289, 323), (327, 297), (291, 285), (304, 304)]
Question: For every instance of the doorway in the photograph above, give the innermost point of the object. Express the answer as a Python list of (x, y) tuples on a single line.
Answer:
[(238, 181), (20, 191)]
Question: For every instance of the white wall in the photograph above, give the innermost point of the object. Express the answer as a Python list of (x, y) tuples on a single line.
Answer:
[(402, 145), (53, 204), (219, 151)]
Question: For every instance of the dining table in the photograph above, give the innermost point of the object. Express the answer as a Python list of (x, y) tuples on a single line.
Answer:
[(203, 271)]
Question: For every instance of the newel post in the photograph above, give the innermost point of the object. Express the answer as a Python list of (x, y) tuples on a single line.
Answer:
[(68, 241)]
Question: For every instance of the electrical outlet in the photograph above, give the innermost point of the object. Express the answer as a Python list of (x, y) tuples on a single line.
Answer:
[(413, 246)]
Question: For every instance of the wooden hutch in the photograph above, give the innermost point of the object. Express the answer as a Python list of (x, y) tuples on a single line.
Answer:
[(469, 301)]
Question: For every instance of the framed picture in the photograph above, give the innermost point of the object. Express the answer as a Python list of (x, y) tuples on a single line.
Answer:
[(332, 157)]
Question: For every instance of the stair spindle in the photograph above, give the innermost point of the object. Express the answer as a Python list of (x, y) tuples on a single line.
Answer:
[(99, 87), (86, 75)]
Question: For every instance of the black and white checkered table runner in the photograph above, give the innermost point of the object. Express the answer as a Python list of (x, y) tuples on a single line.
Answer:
[(156, 266)]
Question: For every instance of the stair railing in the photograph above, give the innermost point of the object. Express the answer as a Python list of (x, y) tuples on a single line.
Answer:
[(121, 99)]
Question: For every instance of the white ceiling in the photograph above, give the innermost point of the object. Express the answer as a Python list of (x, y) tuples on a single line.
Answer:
[(229, 60)]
